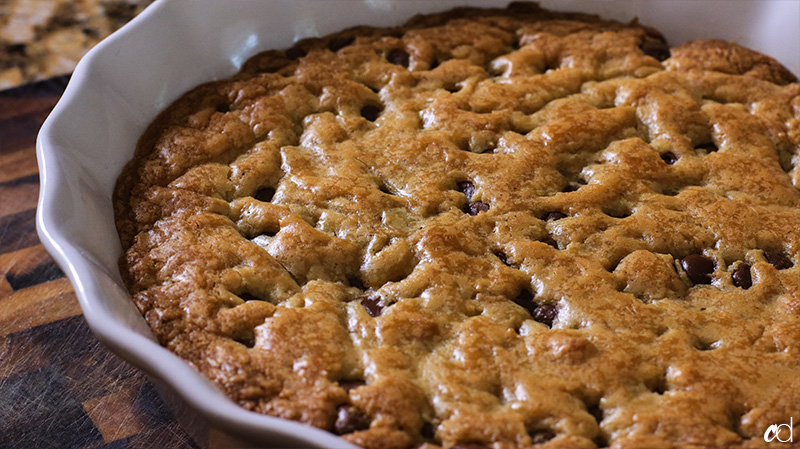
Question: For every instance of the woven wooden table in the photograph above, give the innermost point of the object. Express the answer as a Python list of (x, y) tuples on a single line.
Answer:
[(59, 387)]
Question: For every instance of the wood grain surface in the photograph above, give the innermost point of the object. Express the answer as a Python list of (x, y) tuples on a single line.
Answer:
[(59, 387)]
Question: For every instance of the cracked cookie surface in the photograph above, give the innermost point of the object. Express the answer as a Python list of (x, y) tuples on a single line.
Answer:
[(485, 228)]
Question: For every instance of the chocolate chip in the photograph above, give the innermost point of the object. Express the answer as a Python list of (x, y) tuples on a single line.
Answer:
[(698, 268), (545, 314), (476, 207), (399, 57), (350, 419), (540, 312), (741, 276), (370, 112), (467, 188), (708, 147), (372, 304), (656, 49), (295, 52), (778, 260), (571, 187), (264, 194), (554, 215), (669, 157), (223, 108), (338, 43), (348, 385)]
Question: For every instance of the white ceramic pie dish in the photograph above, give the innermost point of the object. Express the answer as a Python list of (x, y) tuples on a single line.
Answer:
[(122, 84)]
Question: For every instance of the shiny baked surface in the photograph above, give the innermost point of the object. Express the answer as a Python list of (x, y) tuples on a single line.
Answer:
[(489, 228)]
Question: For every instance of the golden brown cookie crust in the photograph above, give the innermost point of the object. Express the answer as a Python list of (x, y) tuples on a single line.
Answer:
[(486, 228)]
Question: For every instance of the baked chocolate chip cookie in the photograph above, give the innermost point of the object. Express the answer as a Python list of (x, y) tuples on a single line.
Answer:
[(483, 229)]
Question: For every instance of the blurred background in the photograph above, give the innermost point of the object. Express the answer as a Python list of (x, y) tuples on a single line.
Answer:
[(40, 39), (59, 387)]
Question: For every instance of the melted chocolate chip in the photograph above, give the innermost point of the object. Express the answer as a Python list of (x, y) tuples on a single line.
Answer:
[(295, 52), (778, 260), (698, 268), (655, 49), (741, 276), (399, 57), (467, 188), (545, 314), (476, 207), (340, 42), (223, 108), (669, 157), (370, 112), (554, 215), (265, 194), (350, 419), (372, 304), (541, 436), (540, 312)]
